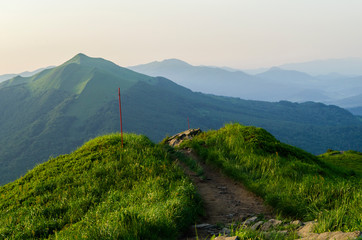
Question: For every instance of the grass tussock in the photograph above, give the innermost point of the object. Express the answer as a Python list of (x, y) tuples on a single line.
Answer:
[(100, 191), (294, 182), (348, 160)]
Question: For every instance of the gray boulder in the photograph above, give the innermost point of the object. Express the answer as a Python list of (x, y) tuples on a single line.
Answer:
[(177, 139)]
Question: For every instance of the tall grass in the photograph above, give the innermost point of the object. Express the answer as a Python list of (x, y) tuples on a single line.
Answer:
[(348, 160), (291, 180), (101, 191)]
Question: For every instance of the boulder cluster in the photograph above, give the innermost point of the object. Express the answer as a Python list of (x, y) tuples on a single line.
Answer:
[(304, 230)]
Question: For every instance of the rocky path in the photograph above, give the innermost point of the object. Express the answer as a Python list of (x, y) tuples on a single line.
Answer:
[(225, 200)]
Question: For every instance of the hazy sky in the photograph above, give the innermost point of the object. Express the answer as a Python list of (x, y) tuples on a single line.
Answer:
[(235, 33)]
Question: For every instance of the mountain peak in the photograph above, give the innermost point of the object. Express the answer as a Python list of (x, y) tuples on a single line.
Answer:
[(174, 60), (79, 58), (74, 75), (81, 55), (278, 70), (275, 69), (170, 66), (94, 62)]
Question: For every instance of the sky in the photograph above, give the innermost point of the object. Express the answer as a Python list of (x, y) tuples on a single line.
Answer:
[(241, 34)]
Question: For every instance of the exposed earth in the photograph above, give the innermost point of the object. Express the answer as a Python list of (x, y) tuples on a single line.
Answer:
[(225, 201)]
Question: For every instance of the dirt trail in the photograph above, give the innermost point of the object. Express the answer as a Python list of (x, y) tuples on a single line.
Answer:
[(225, 200)]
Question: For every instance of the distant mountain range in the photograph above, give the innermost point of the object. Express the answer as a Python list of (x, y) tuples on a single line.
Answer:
[(56, 110), (344, 66), (23, 74), (356, 110), (274, 84), (207, 79)]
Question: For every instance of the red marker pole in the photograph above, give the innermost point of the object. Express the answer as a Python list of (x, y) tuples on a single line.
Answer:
[(120, 114)]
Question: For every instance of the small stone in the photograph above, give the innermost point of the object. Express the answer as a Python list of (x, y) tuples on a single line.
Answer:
[(227, 238), (297, 223), (251, 220), (271, 223), (329, 235), (307, 229), (338, 235), (257, 225), (333, 236), (225, 231), (204, 225), (231, 215)]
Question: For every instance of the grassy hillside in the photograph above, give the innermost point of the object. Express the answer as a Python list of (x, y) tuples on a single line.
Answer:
[(348, 160), (58, 109), (100, 191), (294, 182)]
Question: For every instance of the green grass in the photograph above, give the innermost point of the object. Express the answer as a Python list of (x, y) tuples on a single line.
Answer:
[(101, 191), (190, 162), (348, 160), (294, 182)]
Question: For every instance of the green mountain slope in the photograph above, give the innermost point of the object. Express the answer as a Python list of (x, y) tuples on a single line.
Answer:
[(349, 160), (100, 191), (291, 180), (58, 109)]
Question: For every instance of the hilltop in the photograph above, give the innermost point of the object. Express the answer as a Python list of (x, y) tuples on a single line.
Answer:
[(58, 109), (101, 191)]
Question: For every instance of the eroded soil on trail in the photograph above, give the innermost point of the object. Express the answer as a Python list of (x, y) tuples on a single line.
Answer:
[(225, 201)]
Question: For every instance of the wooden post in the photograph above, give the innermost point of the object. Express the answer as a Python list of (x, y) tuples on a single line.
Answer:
[(120, 114)]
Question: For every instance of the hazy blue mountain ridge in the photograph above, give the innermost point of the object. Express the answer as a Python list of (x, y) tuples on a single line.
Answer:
[(23, 74), (212, 80), (345, 66), (6, 77), (274, 84), (356, 111)]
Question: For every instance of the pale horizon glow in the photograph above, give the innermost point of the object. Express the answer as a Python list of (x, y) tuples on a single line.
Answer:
[(241, 34)]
